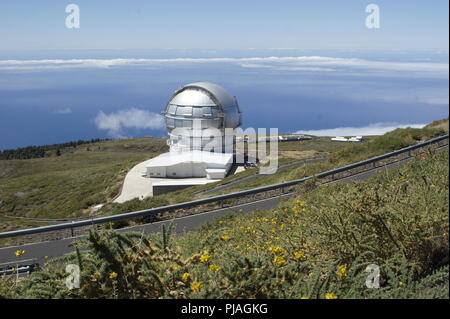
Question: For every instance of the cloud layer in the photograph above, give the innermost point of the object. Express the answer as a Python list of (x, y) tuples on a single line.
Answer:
[(294, 64), (116, 122), (372, 129)]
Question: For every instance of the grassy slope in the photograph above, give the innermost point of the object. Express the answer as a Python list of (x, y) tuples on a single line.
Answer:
[(66, 186), (315, 246), (440, 124)]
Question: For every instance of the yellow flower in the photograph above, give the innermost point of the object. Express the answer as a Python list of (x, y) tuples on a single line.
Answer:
[(401, 284), (298, 255), (204, 258), (20, 252), (342, 271), (299, 207), (195, 286), (279, 261), (186, 277), (225, 237), (276, 250), (330, 296), (175, 267), (113, 275), (214, 268)]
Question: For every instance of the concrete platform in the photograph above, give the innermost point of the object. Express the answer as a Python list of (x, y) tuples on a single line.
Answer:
[(134, 185), (137, 186)]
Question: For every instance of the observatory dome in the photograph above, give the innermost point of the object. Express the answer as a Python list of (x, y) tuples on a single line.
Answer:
[(203, 106)]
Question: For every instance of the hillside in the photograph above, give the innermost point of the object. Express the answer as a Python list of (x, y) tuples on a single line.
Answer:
[(66, 186), (86, 174), (316, 245), (440, 124), (340, 154)]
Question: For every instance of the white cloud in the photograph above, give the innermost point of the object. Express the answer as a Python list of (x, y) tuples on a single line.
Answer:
[(116, 122), (372, 129), (285, 68), (65, 110), (298, 63), (351, 66)]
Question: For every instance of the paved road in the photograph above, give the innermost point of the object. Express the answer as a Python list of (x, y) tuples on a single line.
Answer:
[(38, 251)]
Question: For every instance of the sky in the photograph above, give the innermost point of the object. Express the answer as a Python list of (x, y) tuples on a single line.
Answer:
[(232, 24), (299, 66)]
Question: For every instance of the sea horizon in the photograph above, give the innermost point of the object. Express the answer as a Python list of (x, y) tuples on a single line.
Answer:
[(56, 96)]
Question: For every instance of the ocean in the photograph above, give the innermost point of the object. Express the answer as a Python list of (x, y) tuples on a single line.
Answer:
[(54, 97)]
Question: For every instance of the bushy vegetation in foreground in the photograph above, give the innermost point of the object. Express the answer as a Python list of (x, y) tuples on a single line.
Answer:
[(317, 245)]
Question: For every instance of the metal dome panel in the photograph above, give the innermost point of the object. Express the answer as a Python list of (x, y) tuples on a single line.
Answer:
[(192, 97), (224, 98)]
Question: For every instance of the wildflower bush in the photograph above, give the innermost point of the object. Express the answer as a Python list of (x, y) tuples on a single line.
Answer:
[(318, 245)]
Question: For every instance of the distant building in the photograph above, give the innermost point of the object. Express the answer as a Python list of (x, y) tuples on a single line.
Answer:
[(339, 139), (355, 139), (280, 138), (344, 139), (293, 137)]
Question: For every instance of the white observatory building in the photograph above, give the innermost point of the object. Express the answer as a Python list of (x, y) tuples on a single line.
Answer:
[(200, 119)]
